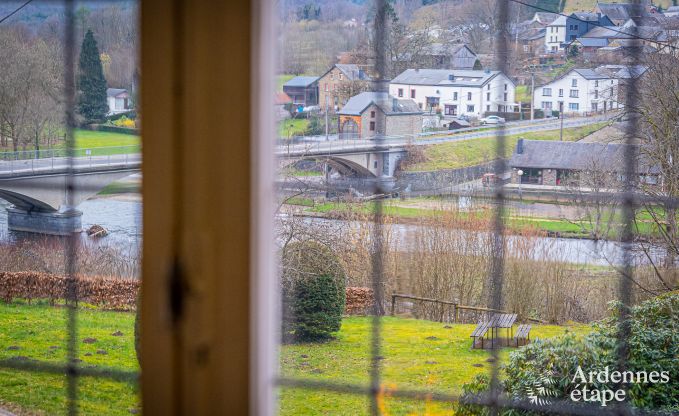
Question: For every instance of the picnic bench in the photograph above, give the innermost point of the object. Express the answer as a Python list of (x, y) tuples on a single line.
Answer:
[(522, 334), (492, 327)]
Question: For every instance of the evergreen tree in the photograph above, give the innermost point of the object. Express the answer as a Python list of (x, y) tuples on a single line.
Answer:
[(92, 103)]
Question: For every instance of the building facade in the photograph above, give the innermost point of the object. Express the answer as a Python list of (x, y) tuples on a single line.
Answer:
[(303, 91), (555, 35), (579, 91), (340, 83), (579, 23), (456, 93), (371, 114)]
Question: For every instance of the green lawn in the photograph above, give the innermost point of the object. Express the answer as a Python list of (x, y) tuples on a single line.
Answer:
[(101, 143), (292, 127), (38, 332), (417, 354), (458, 154), (523, 94)]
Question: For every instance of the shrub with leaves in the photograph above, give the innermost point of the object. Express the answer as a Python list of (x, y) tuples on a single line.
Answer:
[(653, 346), (313, 292)]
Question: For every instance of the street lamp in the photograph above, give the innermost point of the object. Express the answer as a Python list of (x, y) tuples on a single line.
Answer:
[(520, 173)]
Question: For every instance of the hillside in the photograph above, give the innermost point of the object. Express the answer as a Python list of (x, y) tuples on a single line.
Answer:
[(588, 5)]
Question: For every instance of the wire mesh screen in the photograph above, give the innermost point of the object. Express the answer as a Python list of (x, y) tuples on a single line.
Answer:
[(494, 252), (54, 269)]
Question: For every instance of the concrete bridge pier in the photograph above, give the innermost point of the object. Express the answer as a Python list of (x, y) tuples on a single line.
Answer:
[(54, 223)]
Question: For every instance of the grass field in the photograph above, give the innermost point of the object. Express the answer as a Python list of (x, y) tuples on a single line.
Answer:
[(458, 154), (417, 354), (118, 143), (292, 127)]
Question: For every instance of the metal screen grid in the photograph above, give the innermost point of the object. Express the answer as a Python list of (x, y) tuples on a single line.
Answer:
[(494, 401), (70, 368)]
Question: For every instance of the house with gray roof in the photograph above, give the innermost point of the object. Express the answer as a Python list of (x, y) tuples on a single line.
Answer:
[(579, 23), (619, 13), (118, 100), (302, 90), (547, 162), (371, 114), (456, 92), (339, 83), (580, 91), (555, 35)]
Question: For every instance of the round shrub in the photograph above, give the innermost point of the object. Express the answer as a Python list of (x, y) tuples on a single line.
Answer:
[(313, 292)]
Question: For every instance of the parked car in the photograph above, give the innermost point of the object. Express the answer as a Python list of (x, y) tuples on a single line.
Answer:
[(492, 120)]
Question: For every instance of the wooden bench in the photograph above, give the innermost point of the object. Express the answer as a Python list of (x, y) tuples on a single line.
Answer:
[(522, 334), (480, 332)]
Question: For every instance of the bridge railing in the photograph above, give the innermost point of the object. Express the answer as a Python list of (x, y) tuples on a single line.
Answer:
[(343, 145), (56, 162), (63, 153)]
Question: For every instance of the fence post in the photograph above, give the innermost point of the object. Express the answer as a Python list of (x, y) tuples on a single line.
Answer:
[(393, 303), (455, 312), (443, 311)]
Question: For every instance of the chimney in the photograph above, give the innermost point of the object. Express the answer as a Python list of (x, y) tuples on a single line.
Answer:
[(519, 147)]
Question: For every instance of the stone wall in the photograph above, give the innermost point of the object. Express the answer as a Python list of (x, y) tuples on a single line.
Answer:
[(549, 177), (398, 125), (441, 180)]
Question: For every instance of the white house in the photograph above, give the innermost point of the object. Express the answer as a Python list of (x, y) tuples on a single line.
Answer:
[(555, 35), (118, 100), (580, 91), (456, 92)]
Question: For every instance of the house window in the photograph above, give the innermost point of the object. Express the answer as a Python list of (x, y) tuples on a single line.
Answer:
[(454, 96), (488, 96), (560, 92), (340, 76), (469, 96), (505, 87), (546, 92), (470, 108), (450, 110), (325, 87), (372, 126), (372, 114), (334, 87), (574, 94), (596, 94), (576, 27), (336, 99), (488, 87), (400, 92), (505, 97), (332, 76), (574, 82), (412, 93), (487, 108), (596, 83), (573, 106), (595, 106), (547, 105)]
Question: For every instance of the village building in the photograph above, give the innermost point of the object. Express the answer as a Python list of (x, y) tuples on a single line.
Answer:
[(338, 84), (371, 114), (579, 23), (552, 163), (555, 35), (456, 93), (579, 91), (118, 100), (302, 90)]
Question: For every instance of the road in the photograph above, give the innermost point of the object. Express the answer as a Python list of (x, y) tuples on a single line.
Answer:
[(318, 147), (29, 167)]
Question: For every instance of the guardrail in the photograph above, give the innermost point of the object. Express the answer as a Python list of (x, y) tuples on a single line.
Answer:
[(56, 164), (63, 153)]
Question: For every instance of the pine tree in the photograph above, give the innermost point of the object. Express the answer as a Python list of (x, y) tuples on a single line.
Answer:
[(92, 103)]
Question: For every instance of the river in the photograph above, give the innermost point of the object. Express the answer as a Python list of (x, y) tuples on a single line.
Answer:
[(122, 217)]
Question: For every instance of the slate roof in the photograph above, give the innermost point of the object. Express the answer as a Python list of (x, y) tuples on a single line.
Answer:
[(587, 16), (589, 73), (549, 154), (560, 21), (532, 34), (461, 78), (592, 42), (300, 81), (388, 104), (113, 92), (353, 72), (615, 32), (621, 71), (616, 11), (545, 18)]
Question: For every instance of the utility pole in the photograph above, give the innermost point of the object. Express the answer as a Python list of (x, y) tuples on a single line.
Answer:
[(326, 118), (532, 96), (561, 115)]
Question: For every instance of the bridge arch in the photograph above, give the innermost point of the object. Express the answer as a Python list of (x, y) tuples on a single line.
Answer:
[(343, 165)]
